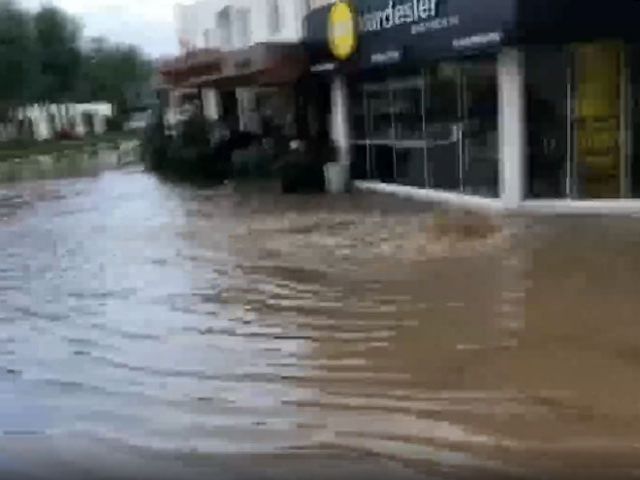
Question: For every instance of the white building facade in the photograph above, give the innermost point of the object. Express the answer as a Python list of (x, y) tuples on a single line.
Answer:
[(248, 34), (234, 24)]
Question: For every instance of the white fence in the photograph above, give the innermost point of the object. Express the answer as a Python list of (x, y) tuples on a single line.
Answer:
[(43, 122)]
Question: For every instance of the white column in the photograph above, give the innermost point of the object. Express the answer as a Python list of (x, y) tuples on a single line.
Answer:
[(340, 118), (211, 103), (512, 126)]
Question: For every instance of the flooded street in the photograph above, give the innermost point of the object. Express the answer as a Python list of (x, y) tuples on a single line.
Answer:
[(175, 331)]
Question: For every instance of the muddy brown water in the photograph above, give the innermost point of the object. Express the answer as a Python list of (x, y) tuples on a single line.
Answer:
[(149, 328)]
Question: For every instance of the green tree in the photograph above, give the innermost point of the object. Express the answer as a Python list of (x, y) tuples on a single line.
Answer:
[(57, 36), (41, 60), (113, 72), (18, 62)]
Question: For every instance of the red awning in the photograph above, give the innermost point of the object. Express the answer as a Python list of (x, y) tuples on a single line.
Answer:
[(263, 64)]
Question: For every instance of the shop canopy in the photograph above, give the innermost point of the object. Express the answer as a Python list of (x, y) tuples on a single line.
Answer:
[(178, 71), (414, 31), (262, 64)]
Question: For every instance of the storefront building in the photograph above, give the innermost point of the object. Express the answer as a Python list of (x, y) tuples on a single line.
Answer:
[(507, 104), (241, 61)]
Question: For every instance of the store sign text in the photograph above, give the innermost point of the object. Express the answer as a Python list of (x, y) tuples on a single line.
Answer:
[(391, 56), (435, 24), (397, 14)]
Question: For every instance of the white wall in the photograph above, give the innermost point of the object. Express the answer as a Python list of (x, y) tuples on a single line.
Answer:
[(194, 19), (211, 104), (340, 118), (292, 14), (512, 127), (47, 119), (319, 3)]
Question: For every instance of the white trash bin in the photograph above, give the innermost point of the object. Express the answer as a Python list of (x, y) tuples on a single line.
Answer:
[(336, 177)]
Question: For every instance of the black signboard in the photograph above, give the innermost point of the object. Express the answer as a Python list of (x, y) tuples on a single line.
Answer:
[(415, 31), (406, 31), (564, 21)]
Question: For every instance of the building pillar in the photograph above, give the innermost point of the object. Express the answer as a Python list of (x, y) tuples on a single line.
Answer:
[(211, 104), (340, 118), (512, 126)]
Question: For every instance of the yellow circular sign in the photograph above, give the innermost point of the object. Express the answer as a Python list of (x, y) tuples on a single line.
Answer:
[(343, 38)]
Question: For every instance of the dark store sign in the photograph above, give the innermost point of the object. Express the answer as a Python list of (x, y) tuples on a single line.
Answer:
[(409, 31), (397, 14)]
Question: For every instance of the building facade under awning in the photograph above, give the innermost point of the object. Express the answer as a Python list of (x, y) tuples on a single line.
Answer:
[(252, 88), (262, 64)]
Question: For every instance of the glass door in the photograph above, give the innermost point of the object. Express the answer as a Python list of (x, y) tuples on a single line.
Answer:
[(408, 121), (547, 71), (598, 120), (480, 127), (378, 108), (442, 126)]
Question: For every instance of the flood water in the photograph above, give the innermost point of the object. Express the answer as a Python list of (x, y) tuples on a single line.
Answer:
[(155, 330)]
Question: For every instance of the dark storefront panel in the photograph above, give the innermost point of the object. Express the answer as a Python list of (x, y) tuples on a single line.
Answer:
[(442, 117), (410, 167), (634, 124), (382, 163), (560, 22), (582, 121), (379, 107), (357, 112), (408, 112), (359, 162), (443, 157), (547, 77), (461, 126), (598, 120), (435, 130), (480, 127)]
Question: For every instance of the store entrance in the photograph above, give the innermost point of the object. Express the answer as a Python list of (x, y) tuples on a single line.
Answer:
[(436, 128), (576, 114), (597, 120), (443, 126), (461, 127)]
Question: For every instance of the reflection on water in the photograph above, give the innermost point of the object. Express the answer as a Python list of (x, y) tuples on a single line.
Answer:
[(199, 321)]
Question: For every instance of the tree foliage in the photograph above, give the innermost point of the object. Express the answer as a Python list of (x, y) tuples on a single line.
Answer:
[(57, 37), (17, 55), (44, 58), (113, 72)]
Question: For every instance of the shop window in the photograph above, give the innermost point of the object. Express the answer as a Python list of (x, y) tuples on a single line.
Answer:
[(598, 119), (461, 118), (442, 118), (378, 107), (547, 122), (576, 122), (357, 114), (410, 167), (382, 163), (480, 128), (359, 162), (408, 113), (634, 121)]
